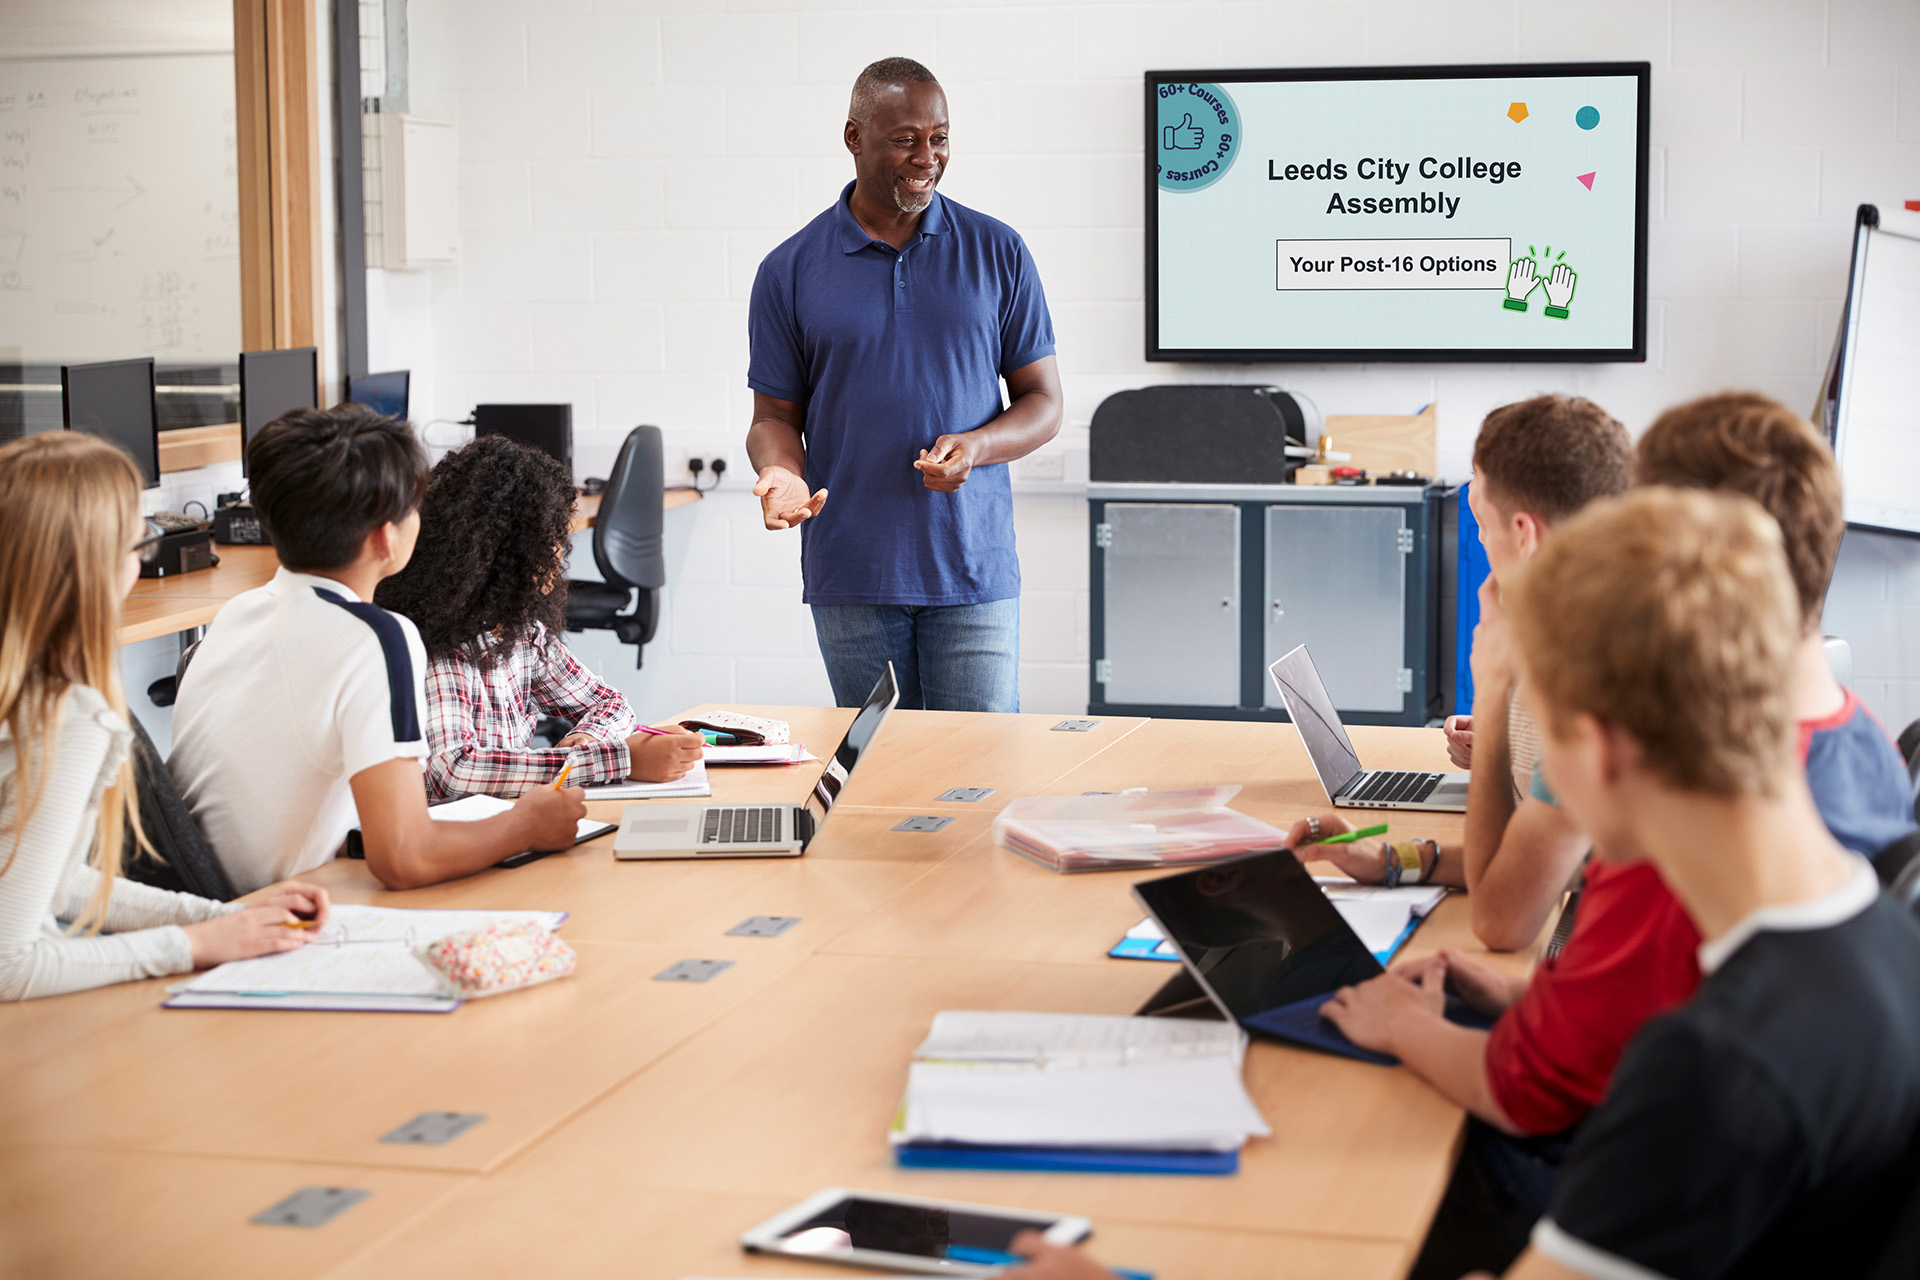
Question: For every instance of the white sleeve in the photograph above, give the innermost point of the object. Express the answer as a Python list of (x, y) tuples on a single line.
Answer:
[(138, 906), (379, 712), (35, 958)]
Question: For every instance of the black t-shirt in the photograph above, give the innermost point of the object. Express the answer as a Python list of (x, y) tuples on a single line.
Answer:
[(1766, 1127)]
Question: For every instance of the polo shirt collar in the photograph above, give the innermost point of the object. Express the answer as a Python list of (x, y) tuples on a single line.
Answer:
[(285, 579), (854, 237), (1843, 904)]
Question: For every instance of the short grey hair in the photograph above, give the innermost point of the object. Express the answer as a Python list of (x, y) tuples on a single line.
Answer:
[(880, 76)]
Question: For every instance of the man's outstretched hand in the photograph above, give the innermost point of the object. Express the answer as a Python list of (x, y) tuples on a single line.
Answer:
[(944, 467), (785, 500)]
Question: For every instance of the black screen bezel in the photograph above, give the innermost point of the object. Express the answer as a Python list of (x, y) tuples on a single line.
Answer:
[(1636, 352), (247, 426), (150, 464)]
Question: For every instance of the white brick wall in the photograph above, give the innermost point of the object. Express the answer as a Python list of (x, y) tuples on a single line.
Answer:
[(626, 165)]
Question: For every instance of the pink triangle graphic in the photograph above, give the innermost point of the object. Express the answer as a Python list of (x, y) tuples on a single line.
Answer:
[(1586, 179)]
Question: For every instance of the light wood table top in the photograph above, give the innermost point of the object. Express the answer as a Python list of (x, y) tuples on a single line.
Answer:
[(498, 1227), (638, 1127), (75, 1214)]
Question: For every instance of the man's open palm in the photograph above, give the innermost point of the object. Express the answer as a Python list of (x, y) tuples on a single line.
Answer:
[(785, 500)]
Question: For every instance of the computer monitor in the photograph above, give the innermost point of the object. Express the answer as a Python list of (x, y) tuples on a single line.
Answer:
[(115, 401), (384, 393), (546, 427), (273, 383)]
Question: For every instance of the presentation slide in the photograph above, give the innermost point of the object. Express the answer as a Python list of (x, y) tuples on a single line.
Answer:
[(1405, 215)]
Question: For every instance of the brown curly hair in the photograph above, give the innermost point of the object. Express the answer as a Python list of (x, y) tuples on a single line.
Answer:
[(495, 530)]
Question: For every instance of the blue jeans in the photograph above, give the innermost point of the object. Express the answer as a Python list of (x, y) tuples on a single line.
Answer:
[(961, 657)]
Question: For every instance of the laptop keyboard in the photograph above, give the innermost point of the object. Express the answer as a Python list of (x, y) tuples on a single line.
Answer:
[(741, 825), (1396, 786)]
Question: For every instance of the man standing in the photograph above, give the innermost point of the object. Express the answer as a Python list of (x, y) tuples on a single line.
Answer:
[(880, 333)]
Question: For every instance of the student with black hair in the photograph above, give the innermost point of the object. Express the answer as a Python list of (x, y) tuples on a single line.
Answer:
[(487, 587), (300, 713)]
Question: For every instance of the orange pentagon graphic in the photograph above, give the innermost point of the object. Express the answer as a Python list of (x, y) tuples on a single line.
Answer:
[(1517, 112)]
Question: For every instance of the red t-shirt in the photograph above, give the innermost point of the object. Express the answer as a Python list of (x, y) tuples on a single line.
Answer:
[(1633, 954)]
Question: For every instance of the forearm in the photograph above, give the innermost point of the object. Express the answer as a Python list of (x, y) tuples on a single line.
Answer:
[(1453, 1059), (1026, 424), (474, 771), (1490, 798), (773, 443), (430, 852)]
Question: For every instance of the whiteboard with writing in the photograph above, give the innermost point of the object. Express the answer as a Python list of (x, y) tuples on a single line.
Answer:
[(119, 209)]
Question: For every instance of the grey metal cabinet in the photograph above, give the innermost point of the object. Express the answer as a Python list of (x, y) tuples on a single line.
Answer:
[(1197, 588), (1337, 583), (1172, 592)]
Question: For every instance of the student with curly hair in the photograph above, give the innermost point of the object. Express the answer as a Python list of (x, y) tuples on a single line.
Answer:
[(487, 586)]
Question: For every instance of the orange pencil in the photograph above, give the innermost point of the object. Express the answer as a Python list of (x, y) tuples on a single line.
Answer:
[(561, 781)]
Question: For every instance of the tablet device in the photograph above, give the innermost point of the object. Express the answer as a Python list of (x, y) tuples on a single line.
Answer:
[(906, 1233), (1266, 948)]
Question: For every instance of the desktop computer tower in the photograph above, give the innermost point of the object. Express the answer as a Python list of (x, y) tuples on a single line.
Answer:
[(546, 427)]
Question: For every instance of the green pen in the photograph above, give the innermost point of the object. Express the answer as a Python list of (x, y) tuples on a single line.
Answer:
[(1348, 837)]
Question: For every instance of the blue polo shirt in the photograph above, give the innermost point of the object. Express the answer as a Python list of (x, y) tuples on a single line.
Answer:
[(888, 350)]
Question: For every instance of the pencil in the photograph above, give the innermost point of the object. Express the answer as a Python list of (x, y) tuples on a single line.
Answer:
[(561, 781), (1348, 837)]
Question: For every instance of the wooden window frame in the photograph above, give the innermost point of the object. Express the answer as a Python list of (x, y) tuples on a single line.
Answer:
[(277, 105)]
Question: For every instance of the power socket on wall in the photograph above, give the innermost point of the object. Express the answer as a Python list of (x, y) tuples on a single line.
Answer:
[(702, 468)]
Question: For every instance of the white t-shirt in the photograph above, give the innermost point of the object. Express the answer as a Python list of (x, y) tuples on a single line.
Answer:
[(290, 694)]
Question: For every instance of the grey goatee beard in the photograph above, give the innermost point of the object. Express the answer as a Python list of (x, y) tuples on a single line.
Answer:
[(906, 203)]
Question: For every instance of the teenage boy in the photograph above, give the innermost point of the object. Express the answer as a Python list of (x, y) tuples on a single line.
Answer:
[(1742, 442), (300, 713), (1767, 1126), (1535, 463)]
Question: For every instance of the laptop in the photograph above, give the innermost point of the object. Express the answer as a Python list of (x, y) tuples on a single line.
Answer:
[(1260, 943), (651, 831), (1348, 785)]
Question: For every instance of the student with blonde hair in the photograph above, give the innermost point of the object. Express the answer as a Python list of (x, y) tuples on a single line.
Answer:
[(71, 541)]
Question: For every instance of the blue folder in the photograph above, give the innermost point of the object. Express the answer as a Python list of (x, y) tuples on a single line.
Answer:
[(1300, 1024), (954, 1155)]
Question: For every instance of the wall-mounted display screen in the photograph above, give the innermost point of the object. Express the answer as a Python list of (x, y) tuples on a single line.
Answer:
[(1397, 213)]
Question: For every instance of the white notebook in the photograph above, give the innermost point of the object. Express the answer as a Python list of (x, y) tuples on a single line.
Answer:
[(363, 959), (693, 785), (1079, 1081)]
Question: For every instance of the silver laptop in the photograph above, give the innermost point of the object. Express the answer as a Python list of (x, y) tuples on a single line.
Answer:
[(755, 830), (1348, 785)]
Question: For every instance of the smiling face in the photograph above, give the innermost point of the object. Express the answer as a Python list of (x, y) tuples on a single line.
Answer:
[(900, 151)]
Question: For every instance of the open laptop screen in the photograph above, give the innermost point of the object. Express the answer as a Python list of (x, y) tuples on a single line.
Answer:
[(846, 756), (1328, 746), (1258, 932)]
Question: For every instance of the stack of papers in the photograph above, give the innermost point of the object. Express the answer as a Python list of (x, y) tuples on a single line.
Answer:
[(1132, 829), (1383, 918), (365, 959), (1057, 1091), (693, 784)]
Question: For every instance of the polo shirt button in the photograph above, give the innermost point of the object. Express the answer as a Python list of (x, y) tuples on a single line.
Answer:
[(903, 284)]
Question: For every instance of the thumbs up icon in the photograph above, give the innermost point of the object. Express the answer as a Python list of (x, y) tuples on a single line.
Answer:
[(1185, 136)]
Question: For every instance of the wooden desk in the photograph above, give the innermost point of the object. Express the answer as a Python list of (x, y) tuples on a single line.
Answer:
[(161, 606), (657, 1121)]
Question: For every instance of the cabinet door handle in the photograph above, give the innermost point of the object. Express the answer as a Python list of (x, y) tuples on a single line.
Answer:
[(1278, 612)]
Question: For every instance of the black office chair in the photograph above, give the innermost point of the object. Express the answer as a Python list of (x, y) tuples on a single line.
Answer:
[(1898, 866), (185, 861), (626, 548)]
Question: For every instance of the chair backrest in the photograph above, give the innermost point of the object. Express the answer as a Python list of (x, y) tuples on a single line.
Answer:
[(1898, 866), (187, 862), (626, 533), (1900, 1256)]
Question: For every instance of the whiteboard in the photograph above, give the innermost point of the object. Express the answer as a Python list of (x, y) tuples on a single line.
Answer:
[(119, 209), (1877, 425)]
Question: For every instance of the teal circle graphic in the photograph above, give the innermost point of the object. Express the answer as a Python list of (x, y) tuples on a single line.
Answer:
[(1587, 117), (1197, 135)]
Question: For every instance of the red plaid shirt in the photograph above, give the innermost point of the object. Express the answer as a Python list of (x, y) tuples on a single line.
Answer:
[(479, 724)]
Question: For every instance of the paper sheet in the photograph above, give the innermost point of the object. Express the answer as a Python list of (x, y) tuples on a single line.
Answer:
[(480, 808), (693, 784), (772, 753)]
